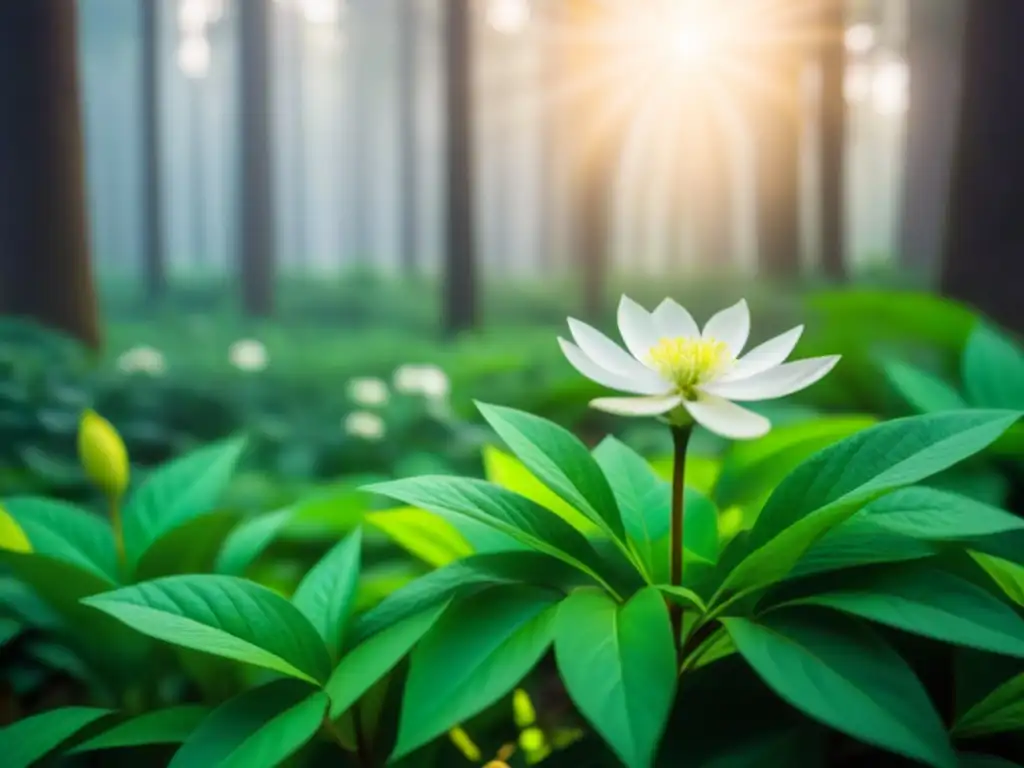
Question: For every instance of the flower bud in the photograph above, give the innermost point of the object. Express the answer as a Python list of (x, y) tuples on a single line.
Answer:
[(12, 537), (103, 455)]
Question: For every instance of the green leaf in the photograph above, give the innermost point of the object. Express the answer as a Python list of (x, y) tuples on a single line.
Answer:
[(683, 596), (560, 461), (1009, 576), (249, 540), (860, 541), (465, 577), (224, 616), (508, 472), (993, 369), (422, 534), (619, 667), (367, 663), (325, 595), (9, 629), (67, 533), (192, 547), (924, 392), (828, 488), (974, 760), (501, 509), (702, 472), (836, 671), (934, 515), (752, 469), (177, 492), (259, 729), (999, 712), (162, 726), (475, 654), (928, 601), (26, 741)]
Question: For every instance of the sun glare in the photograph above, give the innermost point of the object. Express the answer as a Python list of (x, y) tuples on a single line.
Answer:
[(692, 44)]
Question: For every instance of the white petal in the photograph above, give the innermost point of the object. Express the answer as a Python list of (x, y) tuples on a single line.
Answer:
[(637, 328), (610, 356), (731, 325), (728, 419), (636, 406), (604, 377), (779, 381), (672, 320), (768, 355)]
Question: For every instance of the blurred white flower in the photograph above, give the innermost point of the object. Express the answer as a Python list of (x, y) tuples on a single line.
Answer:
[(364, 424), (368, 391), (248, 355), (688, 375), (142, 360), (427, 380)]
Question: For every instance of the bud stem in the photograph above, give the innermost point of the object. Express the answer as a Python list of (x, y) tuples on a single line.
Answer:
[(115, 523), (680, 439)]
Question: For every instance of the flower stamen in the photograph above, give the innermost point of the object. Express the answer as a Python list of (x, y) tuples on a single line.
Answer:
[(689, 362)]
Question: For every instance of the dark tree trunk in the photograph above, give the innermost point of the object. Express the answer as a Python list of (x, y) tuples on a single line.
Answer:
[(777, 151), (154, 277), (460, 301), (362, 29), (408, 122), (833, 139), (256, 259), (984, 260), (934, 53), (295, 66), (45, 271), (595, 160)]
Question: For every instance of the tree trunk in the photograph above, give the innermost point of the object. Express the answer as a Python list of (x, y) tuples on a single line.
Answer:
[(361, 35), (45, 271), (154, 273), (256, 259), (934, 53), (595, 159), (295, 90), (984, 260), (408, 122), (833, 139), (777, 154), (460, 301)]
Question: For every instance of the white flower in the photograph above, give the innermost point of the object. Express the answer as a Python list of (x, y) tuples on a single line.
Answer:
[(683, 373), (368, 391), (364, 424), (427, 380), (142, 360), (248, 355)]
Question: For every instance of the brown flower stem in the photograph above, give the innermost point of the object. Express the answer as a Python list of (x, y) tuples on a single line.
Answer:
[(680, 440)]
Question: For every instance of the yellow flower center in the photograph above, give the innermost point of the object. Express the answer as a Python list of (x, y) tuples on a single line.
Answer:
[(689, 362)]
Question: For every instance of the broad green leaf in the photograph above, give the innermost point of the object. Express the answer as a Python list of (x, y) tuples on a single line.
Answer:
[(836, 671), (508, 472), (192, 547), (752, 469), (1009, 576), (466, 577), (560, 461), (928, 601), (371, 660), (829, 487), (702, 472), (249, 540), (422, 534), (177, 492), (24, 742), (12, 537), (999, 712), (162, 726), (224, 616), (934, 515), (618, 664), (325, 595), (923, 391), (259, 729), (993, 369), (860, 541), (684, 596), (475, 654), (67, 533), (9, 629), (497, 507)]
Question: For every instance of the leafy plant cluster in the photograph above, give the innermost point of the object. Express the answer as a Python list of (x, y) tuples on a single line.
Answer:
[(884, 613)]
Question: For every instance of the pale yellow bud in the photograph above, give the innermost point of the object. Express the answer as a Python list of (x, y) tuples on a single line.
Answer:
[(465, 744), (12, 537), (522, 709), (103, 455)]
